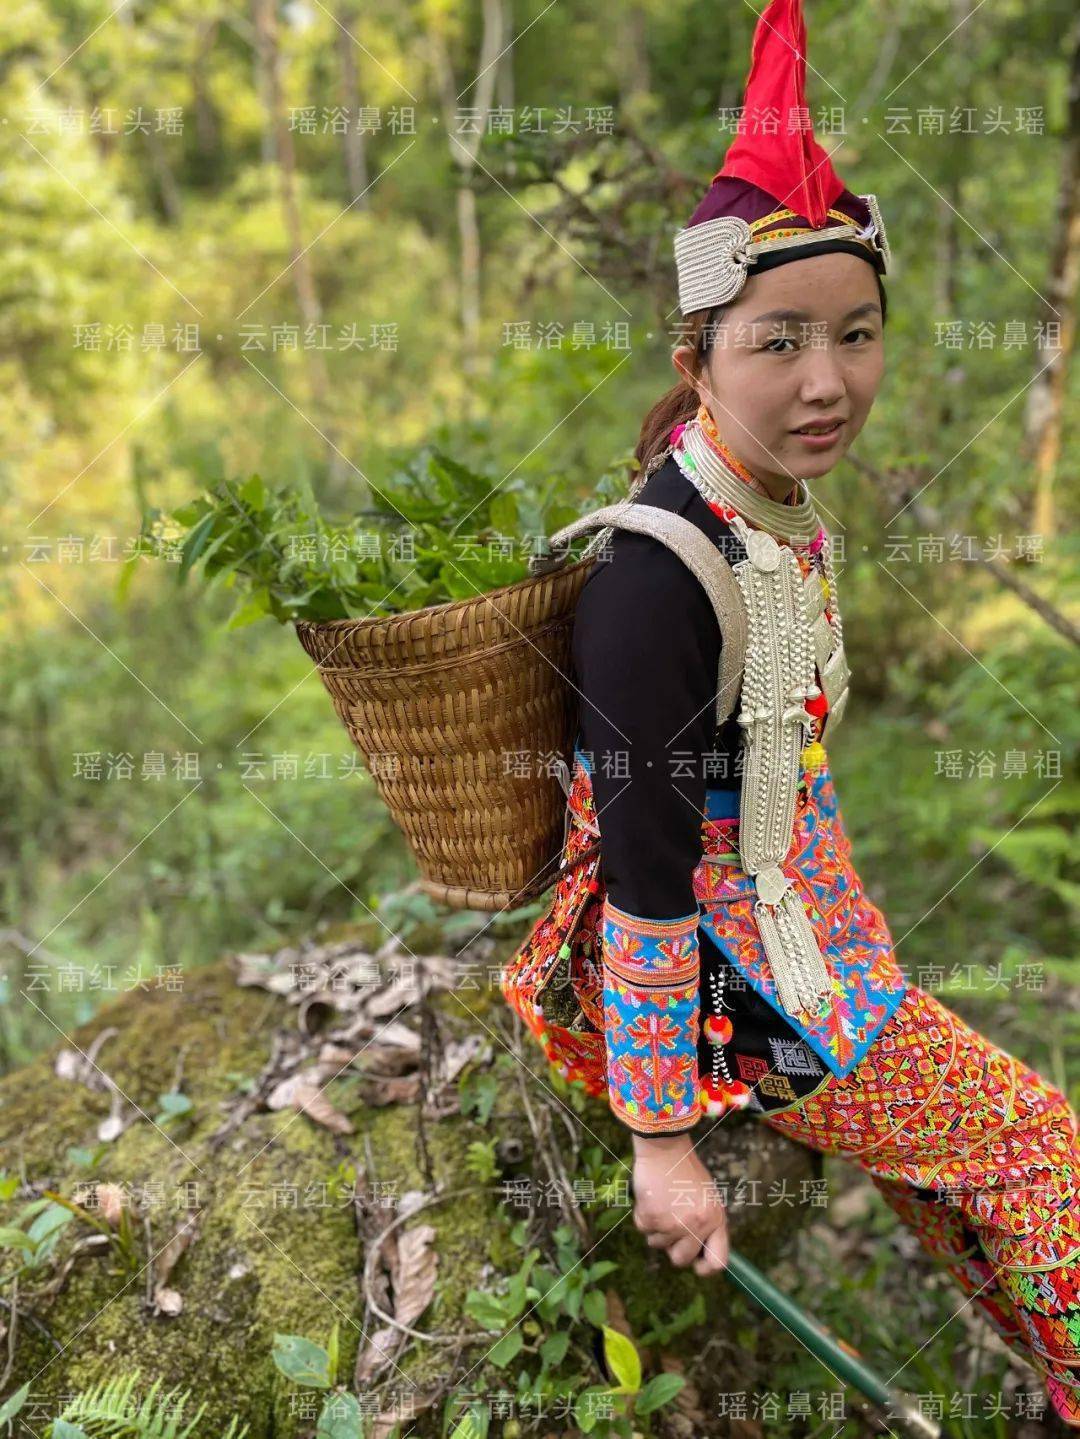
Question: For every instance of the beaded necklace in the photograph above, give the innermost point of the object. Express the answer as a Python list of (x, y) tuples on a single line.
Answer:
[(710, 469), (736, 466)]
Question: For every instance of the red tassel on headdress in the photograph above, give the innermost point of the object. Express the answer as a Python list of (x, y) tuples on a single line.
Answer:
[(789, 165)]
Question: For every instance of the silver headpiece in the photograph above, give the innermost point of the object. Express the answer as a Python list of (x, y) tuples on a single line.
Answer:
[(713, 258)]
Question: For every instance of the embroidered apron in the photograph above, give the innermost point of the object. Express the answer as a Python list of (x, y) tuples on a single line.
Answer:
[(555, 980)]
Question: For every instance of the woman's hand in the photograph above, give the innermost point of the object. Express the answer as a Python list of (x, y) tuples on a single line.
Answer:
[(677, 1206)]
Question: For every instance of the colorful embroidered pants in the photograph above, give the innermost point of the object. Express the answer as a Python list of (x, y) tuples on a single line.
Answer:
[(979, 1155)]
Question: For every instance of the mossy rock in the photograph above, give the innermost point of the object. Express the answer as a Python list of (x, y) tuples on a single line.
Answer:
[(276, 1245)]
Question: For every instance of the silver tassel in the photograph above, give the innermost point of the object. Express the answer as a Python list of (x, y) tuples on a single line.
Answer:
[(802, 980)]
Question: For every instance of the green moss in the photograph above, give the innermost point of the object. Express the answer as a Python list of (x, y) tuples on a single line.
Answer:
[(276, 1246)]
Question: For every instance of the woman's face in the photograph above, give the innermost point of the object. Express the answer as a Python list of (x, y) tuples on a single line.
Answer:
[(802, 345)]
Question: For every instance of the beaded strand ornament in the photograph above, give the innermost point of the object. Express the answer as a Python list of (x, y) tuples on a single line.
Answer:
[(720, 1093)]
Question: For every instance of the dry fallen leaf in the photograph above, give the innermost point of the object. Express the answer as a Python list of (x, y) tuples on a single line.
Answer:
[(283, 1094), (413, 1264), (400, 1089), (414, 1272), (346, 977), (167, 1257), (335, 1056), (377, 1352), (460, 1052), (410, 1407), (397, 1035), (261, 970), (383, 1059), (314, 1103)]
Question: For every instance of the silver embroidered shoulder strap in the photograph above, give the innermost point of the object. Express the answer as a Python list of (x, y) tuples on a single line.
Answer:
[(779, 679), (701, 557)]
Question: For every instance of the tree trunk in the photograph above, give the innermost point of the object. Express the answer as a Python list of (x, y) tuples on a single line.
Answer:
[(504, 70), (1045, 399), (464, 150), (169, 201), (307, 298), (352, 142), (633, 56), (207, 126)]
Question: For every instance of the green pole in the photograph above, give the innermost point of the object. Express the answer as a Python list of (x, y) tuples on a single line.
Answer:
[(844, 1360)]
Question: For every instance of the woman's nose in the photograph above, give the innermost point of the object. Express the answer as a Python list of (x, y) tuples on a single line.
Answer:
[(823, 376)]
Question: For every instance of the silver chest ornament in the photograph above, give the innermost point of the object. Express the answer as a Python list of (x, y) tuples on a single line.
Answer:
[(788, 637), (790, 642)]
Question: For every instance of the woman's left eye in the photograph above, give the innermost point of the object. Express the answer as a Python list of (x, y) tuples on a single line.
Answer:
[(773, 345)]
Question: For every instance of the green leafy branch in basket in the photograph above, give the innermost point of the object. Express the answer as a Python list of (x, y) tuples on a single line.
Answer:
[(437, 531)]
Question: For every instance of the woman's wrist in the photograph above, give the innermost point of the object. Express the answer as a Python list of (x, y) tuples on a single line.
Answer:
[(662, 1143)]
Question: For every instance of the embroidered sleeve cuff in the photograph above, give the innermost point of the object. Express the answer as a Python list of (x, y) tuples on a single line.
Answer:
[(652, 1010)]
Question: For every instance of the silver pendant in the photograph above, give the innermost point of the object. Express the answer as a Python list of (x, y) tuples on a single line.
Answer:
[(833, 714), (771, 884), (824, 639), (763, 550), (815, 595), (835, 675)]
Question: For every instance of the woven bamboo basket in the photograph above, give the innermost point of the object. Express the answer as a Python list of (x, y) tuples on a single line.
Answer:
[(458, 711)]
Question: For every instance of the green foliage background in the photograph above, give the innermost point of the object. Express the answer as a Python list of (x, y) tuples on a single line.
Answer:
[(185, 231), (244, 836)]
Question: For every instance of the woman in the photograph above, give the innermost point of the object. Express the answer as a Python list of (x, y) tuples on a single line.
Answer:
[(720, 950)]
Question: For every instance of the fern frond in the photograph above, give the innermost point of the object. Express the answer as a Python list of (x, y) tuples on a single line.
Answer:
[(108, 1411)]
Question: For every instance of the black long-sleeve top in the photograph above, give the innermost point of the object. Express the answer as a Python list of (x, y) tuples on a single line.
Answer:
[(646, 655)]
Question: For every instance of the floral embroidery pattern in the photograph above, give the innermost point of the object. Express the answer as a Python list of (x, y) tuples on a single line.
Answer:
[(558, 968), (868, 983), (979, 1154), (556, 979), (652, 1009)]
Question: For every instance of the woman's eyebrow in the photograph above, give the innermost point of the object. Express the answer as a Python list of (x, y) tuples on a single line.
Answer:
[(865, 309)]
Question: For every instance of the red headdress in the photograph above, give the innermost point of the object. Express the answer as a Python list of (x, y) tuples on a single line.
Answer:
[(776, 197)]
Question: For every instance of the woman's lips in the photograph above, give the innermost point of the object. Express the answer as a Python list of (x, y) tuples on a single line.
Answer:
[(820, 440)]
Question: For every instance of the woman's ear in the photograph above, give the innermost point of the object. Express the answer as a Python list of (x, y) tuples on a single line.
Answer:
[(682, 358)]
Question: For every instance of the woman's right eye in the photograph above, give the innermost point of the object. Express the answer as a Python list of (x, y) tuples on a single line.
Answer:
[(779, 340)]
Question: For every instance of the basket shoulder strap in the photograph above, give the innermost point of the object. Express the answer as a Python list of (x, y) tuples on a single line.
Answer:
[(704, 560)]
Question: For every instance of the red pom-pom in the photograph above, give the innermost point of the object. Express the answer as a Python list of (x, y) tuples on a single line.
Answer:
[(717, 1028), (719, 1097)]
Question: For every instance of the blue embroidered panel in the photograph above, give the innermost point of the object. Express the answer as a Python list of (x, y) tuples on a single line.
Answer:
[(652, 1009), (852, 934), (858, 1013)]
